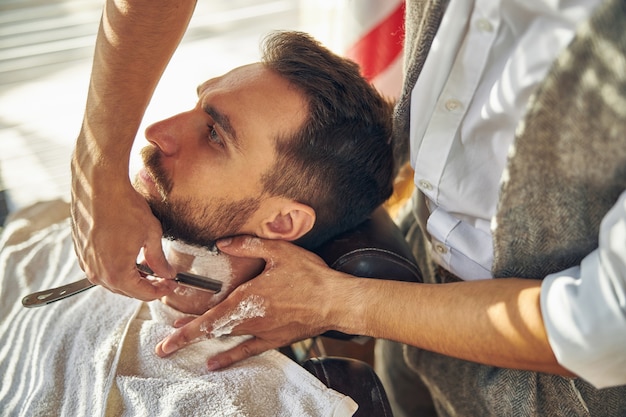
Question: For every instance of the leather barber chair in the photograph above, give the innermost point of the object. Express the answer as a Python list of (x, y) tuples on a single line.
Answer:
[(374, 249)]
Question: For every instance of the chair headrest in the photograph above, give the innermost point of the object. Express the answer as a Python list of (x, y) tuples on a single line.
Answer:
[(374, 249)]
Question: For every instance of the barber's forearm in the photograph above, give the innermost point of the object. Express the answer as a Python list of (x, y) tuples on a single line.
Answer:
[(135, 41), (494, 322)]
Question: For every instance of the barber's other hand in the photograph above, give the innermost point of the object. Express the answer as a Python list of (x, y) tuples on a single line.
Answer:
[(292, 299), (111, 222)]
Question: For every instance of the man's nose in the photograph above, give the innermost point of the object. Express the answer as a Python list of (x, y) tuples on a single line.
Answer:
[(167, 134)]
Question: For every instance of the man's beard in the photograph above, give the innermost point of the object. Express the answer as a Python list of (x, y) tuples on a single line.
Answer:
[(192, 220)]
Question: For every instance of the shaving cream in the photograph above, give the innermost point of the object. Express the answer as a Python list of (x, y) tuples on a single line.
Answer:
[(206, 262), (248, 308)]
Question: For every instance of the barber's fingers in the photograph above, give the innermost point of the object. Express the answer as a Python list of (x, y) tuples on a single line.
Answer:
[(203, 326), (178, 340), (121, 274), (124, 278), (192, 331), (278, 254), (155, 256), (244, 350), (107, 241), (228, 318), (178, 323), (254, 247), (142, 288)]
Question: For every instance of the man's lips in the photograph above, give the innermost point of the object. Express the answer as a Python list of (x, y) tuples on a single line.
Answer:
[(147, 181)]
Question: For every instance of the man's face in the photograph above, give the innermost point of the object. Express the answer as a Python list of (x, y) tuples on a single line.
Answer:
[(202, 169)]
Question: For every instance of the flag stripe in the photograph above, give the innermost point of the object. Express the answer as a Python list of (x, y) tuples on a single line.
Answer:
[(377, 49)]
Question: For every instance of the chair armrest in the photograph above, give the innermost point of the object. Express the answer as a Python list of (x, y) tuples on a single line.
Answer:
[(353, 378)]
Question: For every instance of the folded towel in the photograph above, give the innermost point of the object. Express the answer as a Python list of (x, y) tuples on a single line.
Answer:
[(93, 354)]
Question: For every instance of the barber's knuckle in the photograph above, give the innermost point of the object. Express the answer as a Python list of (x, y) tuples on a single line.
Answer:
[(184, 337), (247, 351)]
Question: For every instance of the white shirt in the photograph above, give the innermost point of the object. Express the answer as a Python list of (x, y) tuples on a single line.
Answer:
[(485, 61)]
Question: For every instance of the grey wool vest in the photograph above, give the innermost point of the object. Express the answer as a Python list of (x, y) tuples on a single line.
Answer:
[(567, 166)]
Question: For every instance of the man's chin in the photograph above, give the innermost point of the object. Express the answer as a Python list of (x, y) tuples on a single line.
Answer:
[(191, 301)]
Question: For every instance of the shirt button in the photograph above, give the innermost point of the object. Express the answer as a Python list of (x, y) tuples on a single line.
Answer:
[(425, 185), (484, 25), (453, 104), (441, 248)]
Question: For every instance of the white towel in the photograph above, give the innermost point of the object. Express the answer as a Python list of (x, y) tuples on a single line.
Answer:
[(93, 354)]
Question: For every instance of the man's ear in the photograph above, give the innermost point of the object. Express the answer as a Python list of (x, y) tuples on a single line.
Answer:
[(292, 221)]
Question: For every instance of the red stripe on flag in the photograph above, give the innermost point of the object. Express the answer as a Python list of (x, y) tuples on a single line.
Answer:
[(375, 51)]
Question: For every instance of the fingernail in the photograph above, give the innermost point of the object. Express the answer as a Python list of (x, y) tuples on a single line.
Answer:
[(159, 349), (225, 242), (213, 365), (167, 348)]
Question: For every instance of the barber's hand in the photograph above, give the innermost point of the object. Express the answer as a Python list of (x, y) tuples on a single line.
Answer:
[(289, 301), (111, 222)]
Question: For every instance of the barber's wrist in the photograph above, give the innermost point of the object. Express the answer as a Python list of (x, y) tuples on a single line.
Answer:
[(94, 163), (347, 310)]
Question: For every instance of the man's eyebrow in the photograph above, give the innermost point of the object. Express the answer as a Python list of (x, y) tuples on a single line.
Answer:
[(223, 121), (200, 88)]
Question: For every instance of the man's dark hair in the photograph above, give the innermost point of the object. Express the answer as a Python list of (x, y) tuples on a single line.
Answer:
[(341, 160)]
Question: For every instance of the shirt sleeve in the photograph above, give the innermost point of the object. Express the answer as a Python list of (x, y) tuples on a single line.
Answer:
[(584, 307)]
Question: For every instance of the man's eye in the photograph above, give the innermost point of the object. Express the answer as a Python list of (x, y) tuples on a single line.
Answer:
[(214, 136)]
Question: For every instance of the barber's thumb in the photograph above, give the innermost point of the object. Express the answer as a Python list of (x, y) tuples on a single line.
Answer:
[(155, 257), (222, 243), (243, 246)]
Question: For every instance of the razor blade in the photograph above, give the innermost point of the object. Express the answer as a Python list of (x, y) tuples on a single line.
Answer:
[(45, 297)]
